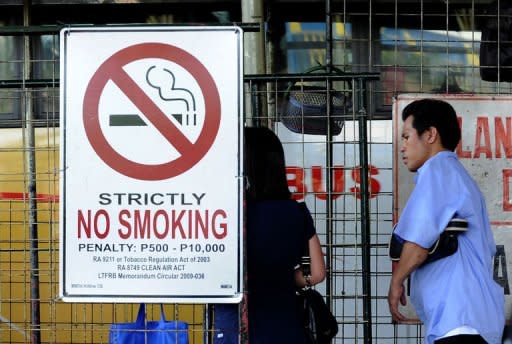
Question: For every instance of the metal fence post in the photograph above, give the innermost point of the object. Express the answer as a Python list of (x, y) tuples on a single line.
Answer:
[(30, 160), (365, 213)]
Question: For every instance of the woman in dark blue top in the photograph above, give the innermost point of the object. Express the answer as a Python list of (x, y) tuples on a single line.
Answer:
[(277, 228)]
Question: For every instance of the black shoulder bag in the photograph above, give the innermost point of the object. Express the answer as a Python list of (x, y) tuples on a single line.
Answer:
[(320, 325), (445, 246)]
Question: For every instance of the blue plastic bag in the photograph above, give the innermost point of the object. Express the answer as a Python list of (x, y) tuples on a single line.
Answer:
[(149, 332)]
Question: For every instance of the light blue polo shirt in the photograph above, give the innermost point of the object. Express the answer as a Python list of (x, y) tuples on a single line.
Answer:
[(458, 290)]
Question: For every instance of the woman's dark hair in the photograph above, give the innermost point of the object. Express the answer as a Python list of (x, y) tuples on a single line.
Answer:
[(438, 114), (264, 165)]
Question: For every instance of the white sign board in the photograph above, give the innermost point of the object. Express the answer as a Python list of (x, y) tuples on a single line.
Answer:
[(151, 159), (485, 150)]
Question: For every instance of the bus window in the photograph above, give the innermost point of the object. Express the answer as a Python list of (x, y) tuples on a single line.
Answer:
[(46, 66), (10, 69), (305, 45), (430, 61)]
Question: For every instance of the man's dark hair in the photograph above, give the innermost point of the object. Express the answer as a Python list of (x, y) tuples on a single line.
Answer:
[(438, 114), (264, 165)]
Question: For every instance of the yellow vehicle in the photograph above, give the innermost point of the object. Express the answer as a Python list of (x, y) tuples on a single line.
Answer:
[(59, 322)]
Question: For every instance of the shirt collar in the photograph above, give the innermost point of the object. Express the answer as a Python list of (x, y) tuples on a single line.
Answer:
[(440, 155)]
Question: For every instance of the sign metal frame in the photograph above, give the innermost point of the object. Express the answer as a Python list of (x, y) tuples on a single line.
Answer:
[(141, 202)]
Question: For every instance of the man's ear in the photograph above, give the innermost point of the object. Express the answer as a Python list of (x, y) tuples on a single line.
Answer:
[(432, 135)]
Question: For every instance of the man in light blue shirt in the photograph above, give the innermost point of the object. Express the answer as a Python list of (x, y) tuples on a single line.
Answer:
[(455, 297)]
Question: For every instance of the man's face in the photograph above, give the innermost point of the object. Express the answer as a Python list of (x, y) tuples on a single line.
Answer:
[(415, 149)]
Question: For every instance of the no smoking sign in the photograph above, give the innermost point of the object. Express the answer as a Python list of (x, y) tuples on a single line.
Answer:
[(165, 85), (151, 164)]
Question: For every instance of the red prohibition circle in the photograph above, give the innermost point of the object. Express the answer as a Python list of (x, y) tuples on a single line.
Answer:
[(112, 70)]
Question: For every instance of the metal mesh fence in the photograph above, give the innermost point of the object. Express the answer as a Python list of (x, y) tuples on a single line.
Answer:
[(324, 171)]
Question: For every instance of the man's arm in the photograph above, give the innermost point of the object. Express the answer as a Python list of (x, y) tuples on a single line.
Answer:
[(412, 256)]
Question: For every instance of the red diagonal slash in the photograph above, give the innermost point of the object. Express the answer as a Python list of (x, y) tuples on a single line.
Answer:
[(162, 123)]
